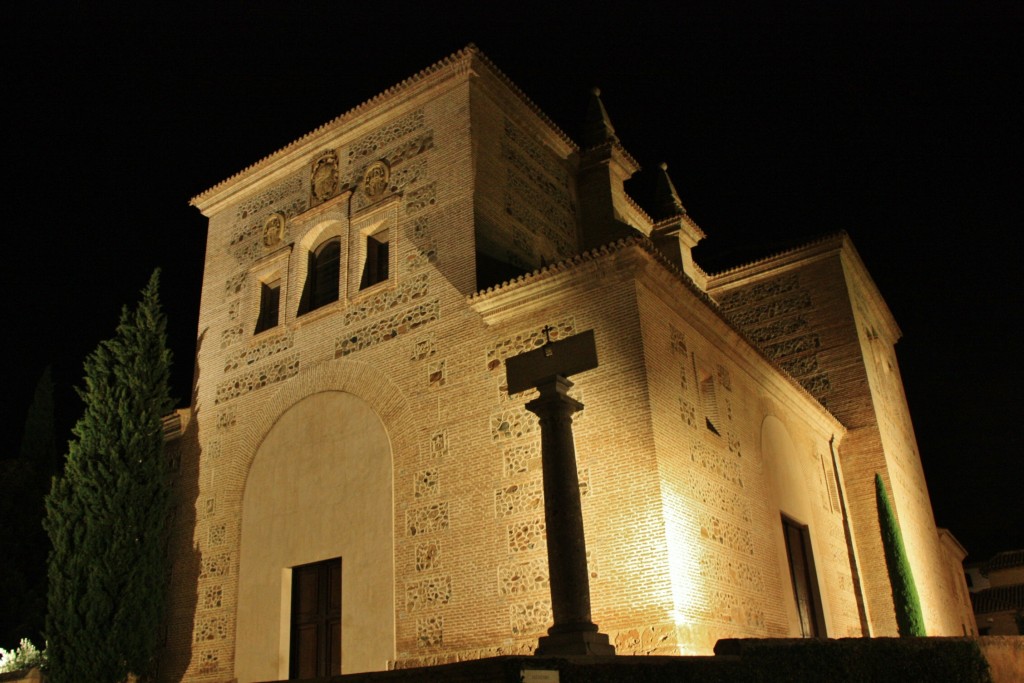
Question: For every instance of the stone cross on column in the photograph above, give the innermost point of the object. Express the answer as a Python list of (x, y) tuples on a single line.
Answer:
[(547, 369)]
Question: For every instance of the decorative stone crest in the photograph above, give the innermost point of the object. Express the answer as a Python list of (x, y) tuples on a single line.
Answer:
[(273, 229), (375, 179), (324, 177)]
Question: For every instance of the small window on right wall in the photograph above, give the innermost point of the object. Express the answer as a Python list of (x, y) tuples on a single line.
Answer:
[(709, 400), (377, 262), (270, 306)]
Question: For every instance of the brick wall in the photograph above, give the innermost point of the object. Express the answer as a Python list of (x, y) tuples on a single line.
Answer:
[(816, 312), (683, 523)]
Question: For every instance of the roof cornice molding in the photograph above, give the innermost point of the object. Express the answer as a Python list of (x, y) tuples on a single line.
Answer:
[(517, 91), (837, 244), (816, 248), (537, 289), (461, 64), (456, 65)]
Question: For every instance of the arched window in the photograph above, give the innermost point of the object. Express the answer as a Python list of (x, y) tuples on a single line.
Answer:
[(322, 276)]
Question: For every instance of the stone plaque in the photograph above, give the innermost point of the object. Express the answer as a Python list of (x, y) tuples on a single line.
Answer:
[(375, 179), (324, 177), (273, 229)]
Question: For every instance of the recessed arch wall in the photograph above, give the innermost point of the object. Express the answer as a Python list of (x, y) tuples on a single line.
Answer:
[(790, 494), (319, 464)]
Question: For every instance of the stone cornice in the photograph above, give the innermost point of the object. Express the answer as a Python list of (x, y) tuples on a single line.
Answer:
[(459, 64), (694, 230), (645, 217), (490, 301), (611, 148), (820, 245), (500, 75), (834, 244), (533, 290)]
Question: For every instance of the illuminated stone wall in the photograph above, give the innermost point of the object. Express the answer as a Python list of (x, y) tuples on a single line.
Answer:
[(384, 347), (816, 312), (683, 520), (737, 449), (525, 210)]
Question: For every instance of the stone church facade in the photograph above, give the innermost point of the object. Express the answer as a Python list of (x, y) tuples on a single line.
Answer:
[(355, 487)]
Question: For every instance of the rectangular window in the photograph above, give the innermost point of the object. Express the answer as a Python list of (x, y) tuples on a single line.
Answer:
[(805, 584), (270, 305), (375, 269), (316, 620), (709, 401)]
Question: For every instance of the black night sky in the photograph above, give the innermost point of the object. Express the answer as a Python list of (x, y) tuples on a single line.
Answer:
[(902, 126)]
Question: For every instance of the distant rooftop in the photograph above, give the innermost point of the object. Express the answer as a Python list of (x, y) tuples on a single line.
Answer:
[(1000, 599), (1003, 560)]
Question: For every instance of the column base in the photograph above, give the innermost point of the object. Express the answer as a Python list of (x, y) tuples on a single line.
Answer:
[(574, 643)]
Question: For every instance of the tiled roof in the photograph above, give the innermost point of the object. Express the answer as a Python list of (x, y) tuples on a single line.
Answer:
[(1004, 560), (999, 599)]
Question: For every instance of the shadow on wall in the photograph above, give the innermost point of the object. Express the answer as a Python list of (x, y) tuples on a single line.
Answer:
[(183, 464)]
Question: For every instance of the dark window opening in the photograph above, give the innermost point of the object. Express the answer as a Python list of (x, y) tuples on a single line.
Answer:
[(322, 276), (709, 403), (376, 267), (316, 620), (805, 585), (711, 426), (270, 306)]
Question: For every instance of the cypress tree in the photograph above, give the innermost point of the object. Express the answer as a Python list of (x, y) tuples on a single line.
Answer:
[(24, 481), (909, 618), (106, 514)]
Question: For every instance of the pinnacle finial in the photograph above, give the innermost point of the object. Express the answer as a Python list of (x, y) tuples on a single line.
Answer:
[(666, 197), (597, 128)]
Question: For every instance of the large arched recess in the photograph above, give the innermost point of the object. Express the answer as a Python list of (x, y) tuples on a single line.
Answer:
[(790, 494), (319, 487)]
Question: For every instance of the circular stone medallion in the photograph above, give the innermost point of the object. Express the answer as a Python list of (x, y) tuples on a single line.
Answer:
[(273, 229), (375, 179)]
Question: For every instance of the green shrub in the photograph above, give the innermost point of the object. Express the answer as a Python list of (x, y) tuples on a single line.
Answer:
[(25, 656)]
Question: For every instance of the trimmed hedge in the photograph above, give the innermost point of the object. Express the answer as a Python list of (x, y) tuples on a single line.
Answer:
[(859, 659), (848, 660)]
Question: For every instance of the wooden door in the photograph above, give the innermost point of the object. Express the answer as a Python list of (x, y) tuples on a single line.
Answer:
[(316, 620), (805, 584)]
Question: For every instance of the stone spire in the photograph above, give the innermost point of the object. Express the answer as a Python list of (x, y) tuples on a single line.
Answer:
[(667, 202), (675, 233), (597, 127), (607, 213)]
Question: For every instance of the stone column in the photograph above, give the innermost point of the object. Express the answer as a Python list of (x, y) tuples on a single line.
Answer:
[(573, 633)]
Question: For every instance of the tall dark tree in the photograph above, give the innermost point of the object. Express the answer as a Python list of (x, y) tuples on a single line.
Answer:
[(106, 514), (909, 618), (24, 481)]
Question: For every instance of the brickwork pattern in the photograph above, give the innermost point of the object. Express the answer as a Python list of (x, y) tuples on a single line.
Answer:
[(681, 536), (825, 324)]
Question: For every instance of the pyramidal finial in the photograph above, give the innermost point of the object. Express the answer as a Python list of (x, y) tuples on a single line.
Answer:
[(667, 202), (597, 127)]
